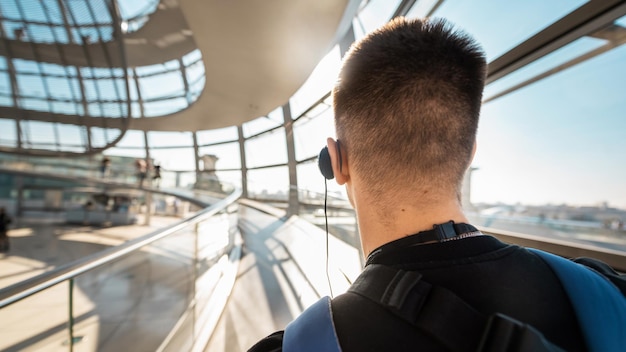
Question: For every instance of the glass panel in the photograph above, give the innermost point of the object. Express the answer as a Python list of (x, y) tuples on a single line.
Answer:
[(422, 9), (310, 134), (10, 10), (40, 132), (132, 86), (75, 84), (31, 86), (135, 110), (131, 139), (25, 66), (131, 9), (556, 152), (164, 107), (269, 184), (70, 134), (6, 100), (101, 72), (186, 179), (5, 86), (61, 34), (263, 123), (341, 223), (54, 69), (40, 33), (124, 293), (174, 159), (54, 13), (100, 137), (68, 108), (311, 180), (194, 71), (218, 135), (141, 71), (128, 167), (192, 57), (319, 83), (60, 88), (95, 109), (35, 11), (162, 85), (374, 15), (195, 89), (113, 110), (169, 139), (267, 149), (500, 26), (34, 104), (227, 154), (90, 89), (8, 137), (107, 89), (171, 65), (232, 178)]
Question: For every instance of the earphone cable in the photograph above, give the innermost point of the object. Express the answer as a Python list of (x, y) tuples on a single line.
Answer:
[(326, 222)]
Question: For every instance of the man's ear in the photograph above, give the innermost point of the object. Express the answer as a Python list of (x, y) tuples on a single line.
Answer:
[(339, 161)]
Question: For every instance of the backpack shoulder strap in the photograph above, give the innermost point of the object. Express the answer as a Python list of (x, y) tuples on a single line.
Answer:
[(444, 316), (313, 330), (436, 311), (600, 307)]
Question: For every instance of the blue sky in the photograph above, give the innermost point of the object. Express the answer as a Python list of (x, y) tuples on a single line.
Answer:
[(558, 140)]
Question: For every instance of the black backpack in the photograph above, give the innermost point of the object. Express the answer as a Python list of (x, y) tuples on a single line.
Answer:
[(600, 308)]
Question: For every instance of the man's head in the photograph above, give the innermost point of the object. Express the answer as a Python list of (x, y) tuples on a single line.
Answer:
[(407, 104)]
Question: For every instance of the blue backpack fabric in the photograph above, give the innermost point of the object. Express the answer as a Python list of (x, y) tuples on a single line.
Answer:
[(599, 306), (313, 330)]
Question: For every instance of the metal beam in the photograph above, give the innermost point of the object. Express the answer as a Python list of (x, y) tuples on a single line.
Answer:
[(587, 19)]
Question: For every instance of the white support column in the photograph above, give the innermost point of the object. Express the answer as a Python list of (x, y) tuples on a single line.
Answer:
[(293, 205), (244, 167)]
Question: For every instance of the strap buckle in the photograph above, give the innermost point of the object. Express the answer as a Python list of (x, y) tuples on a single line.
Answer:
[(504, 333)]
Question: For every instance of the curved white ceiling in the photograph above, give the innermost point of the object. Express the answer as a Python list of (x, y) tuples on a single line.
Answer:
[(256, 55)]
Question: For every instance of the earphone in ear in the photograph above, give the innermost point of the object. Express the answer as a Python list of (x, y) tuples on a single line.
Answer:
[(325, 165), (326, 168)]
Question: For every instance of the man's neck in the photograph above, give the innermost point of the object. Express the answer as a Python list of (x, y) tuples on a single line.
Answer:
[(377, 228)]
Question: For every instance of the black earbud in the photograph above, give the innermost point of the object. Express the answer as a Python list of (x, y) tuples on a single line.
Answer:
[(326, 168), (325, 165)]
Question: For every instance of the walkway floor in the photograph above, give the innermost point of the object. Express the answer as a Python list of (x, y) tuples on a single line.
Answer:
[(281, 272), (110, 306)]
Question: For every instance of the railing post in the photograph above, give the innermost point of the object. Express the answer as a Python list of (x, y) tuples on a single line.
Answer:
[(71, 312), (195, 278)]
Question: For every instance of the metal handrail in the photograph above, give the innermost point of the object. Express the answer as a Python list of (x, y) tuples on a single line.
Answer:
[(614, 258), (28, 287)]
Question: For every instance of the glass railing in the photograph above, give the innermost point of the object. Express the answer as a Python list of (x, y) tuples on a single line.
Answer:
[(566, 238), (170, 285)]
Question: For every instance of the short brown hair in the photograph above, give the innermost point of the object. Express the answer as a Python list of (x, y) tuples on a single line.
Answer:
[(407, 103)]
